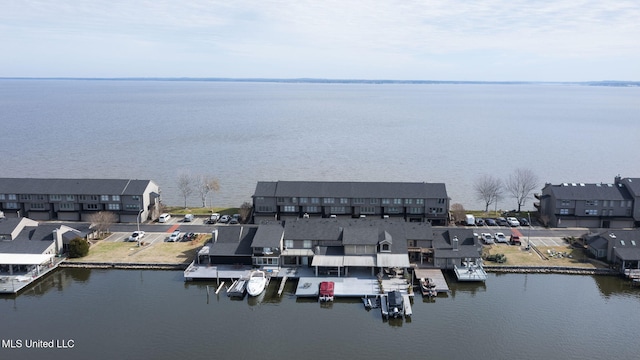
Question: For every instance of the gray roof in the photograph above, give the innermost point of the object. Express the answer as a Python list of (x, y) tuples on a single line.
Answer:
[(73, 186), (632, 185), (31, 240), (313, 229), (7, 225), (468, 246), (233, 241), (360, 235), (404, 190), (268, 235), (581, 191)]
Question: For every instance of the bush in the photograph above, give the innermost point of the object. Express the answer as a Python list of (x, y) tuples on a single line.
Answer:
[(78, 247)]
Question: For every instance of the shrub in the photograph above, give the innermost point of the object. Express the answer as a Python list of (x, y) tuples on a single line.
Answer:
[(78, 247)]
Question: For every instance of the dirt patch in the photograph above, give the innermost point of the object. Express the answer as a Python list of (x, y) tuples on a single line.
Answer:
[(556, 256)]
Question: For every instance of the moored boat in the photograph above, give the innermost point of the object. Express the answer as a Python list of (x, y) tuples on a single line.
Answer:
[(257, 283), (428, 287), (326, 291)]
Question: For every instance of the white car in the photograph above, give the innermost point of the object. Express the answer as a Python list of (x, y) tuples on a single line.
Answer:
[(487, 238), (513, 221), (175, 236), (500, 237), (136, 236)]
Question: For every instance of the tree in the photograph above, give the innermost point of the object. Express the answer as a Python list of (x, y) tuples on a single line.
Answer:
[(78, 247), (520, 184), (458, 212), (488, 189), (204, 185), (186, 183), (245, 211), (102, 220)]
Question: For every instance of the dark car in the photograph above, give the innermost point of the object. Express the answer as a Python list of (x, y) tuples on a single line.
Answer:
[(490, 222), (479, 222), (189, 236), (502, 221), (524, 222)]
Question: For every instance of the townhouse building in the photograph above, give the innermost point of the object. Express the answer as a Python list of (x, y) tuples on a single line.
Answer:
[(77, 199), (409, 201)]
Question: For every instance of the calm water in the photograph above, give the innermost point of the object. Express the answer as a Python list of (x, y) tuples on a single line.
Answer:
[(246, 132), (155, 315)]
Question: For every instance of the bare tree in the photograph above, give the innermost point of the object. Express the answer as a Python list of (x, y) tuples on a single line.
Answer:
[(488, 189), (520, 184), (102, 220), (186, 183), (245, 211), (204, 185), (458, 212)]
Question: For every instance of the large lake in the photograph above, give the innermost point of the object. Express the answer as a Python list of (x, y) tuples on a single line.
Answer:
[(246, 132), (141, 314)]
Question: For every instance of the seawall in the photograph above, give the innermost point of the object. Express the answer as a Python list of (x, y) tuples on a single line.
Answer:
[(550, 270), (117, 265)]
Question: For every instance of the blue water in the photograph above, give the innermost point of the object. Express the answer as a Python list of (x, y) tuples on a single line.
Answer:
[(242, 133)]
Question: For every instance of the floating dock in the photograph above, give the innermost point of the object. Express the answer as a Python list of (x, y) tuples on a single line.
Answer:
[(237, 289), (406, 302), (434, 274), (471, 272)]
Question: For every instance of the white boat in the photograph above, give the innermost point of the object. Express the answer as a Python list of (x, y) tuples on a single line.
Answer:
[(257, 283)]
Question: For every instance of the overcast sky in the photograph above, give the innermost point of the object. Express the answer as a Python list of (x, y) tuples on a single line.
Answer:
[(501, 40)]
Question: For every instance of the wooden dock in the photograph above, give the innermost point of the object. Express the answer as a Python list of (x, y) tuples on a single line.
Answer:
[(283, 282), (434, 274), (406, 302)]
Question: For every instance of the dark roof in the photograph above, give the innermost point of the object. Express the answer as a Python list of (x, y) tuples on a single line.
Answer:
[(468, 246), (268, 235), (7, 225), (73, 186), (313, 229), (404, 190), (31, 240), (632, 184), (233, 241), (360, 235), (581, 191)]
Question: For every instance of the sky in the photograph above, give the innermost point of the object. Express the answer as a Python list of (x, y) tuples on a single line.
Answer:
[(491, 40)]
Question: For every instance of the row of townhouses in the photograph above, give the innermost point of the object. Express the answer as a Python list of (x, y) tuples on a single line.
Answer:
[(77, 199), (595, 205)]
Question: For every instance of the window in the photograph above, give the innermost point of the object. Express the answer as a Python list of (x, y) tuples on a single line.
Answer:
[(315, 200), (263, 208), (280, 199), (359, 201), (128, 206), (373, 201), (55, 197), (294, 200), (367, 209), (37, 206), (385, 248), (39, 197), (386, 201), (313, 209), (288, 244), (12, 197), (393, 210), (134, 197), (115, 198), (605, 203), (113, 206), (303, 200), (338, 210), (25, 197), (566, 203), (564, 211), (441, 201), (419, 201), (397, 201), (591, 203), (408, 201), (71, 197), (435, 210), (416, 210), (104, 197), (66, 206), (307, 244), (591, 212), (260, 198), (328, 200), (1, 196), (344, 201), (629, 203), (289, 208), (11, 205), (92, 206)]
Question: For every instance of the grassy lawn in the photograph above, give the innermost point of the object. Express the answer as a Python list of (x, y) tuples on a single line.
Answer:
[(129, 252), (519, 256)]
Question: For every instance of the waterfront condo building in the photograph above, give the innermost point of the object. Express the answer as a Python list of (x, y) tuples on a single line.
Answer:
[(77, 199), (281, 200), (600, 205)]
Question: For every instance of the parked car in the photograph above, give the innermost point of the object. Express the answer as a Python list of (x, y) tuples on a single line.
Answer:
[(524, 222), (164, 218), (502, 221), (188, 218), (500, 237), (514, 240), (175, 236), (513, 221), (213, 218), (487, 238), (189, 236), (136, 236), (234, 221), (490, 222), (224, 219), (479, 222)]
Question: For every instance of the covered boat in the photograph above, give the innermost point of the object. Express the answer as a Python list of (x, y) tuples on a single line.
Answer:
[(326, 291), (395, 304), (257, 283)]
